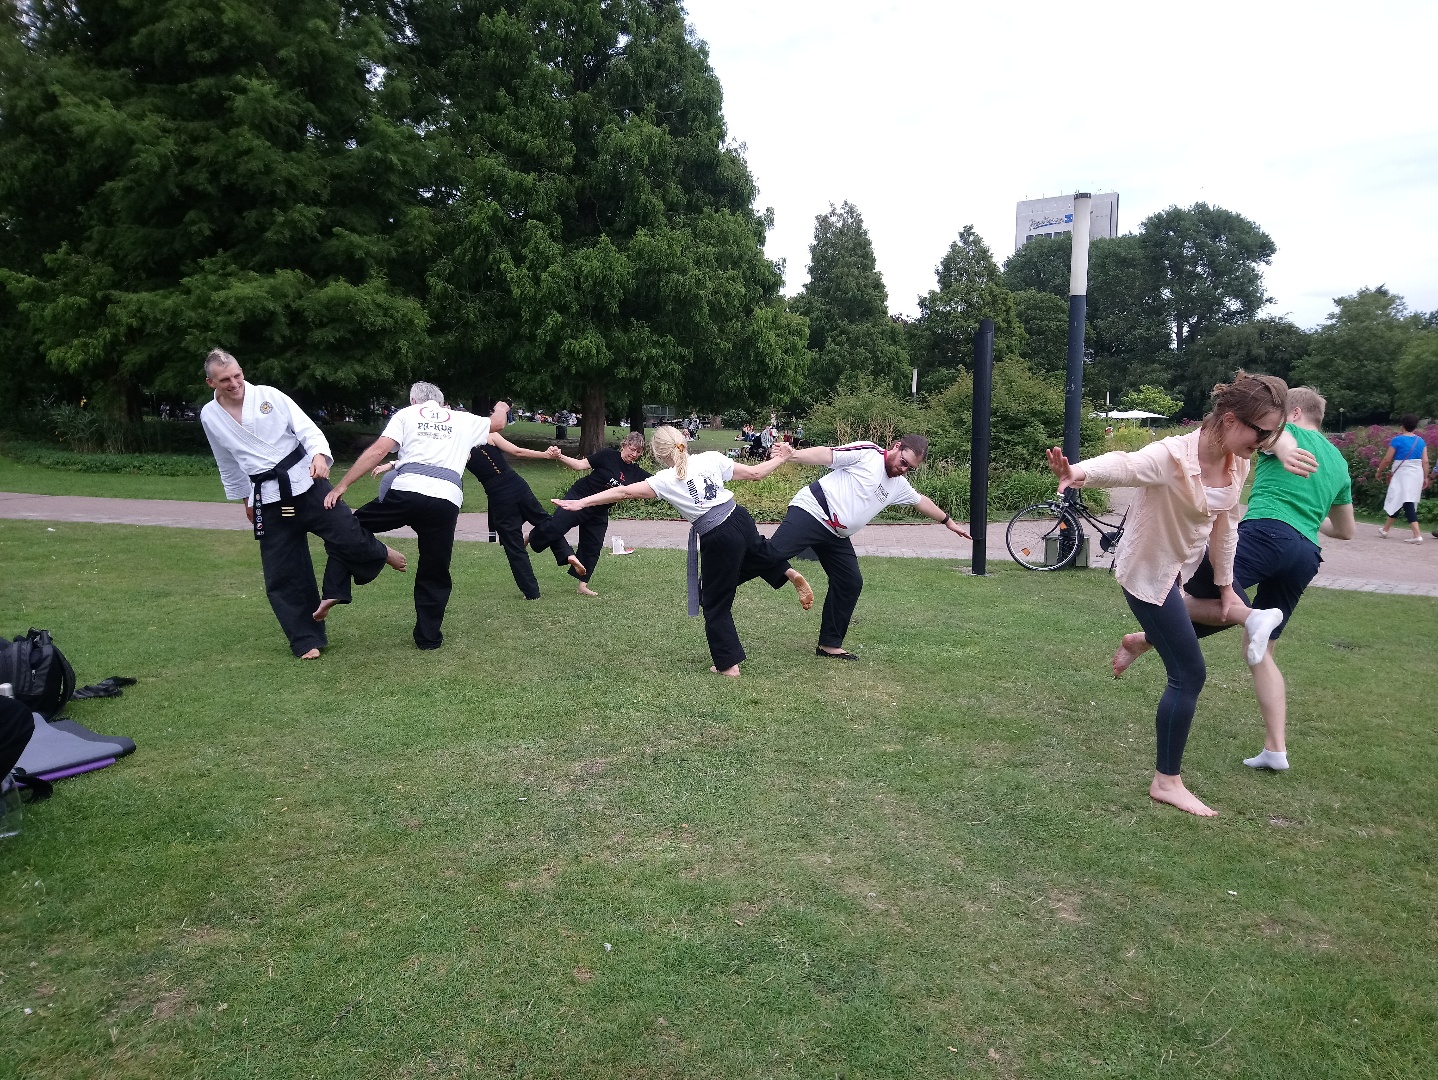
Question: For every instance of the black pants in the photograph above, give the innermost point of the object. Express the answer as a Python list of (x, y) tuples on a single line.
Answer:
[(433, 521), (730, 555), (511, 504), (17, 726), (836, 555), (354, 554), (593, 523), (1170, 632)]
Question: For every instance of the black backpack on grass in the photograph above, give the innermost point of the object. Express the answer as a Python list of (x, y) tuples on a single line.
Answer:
[(39, 673)]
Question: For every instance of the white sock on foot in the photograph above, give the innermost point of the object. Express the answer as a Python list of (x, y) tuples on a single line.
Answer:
[(1260, 624), (1277, 760)]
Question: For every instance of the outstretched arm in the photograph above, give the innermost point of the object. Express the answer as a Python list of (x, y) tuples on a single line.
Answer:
[(577, 464), (500, 416), (931, 509), (496, 439), (781, 453), (1069, 474), (813, 455), (641, 490), (377, 452)]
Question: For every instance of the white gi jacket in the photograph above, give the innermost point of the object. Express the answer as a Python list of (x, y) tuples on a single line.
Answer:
[(273, 426)]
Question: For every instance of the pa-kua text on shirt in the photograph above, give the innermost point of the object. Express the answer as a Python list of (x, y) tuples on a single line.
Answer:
[(857, 488), (702, 488), (433, 434)]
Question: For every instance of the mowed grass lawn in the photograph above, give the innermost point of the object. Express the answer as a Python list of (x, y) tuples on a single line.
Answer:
[(559, 848)]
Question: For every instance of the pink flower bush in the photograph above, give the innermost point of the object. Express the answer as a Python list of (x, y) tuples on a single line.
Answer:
[(1364, 449)]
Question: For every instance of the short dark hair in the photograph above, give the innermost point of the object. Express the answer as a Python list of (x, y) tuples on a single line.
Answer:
[(918, 445), (1409, 421)]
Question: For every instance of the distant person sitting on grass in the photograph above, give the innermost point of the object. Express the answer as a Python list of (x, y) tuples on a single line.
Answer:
[(725, 549), (1277, 551), (274, 457), (864, 480), (1189, 488)]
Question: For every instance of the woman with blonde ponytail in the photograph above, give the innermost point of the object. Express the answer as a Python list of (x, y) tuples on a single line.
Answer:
[(720, 530)]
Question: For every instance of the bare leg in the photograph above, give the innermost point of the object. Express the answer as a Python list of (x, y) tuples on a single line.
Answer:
[(1130, 649), (802, 587), (579, 569), (585, 590), (313, 654), (395, 559), (1383, 532), (323, 610), (1272, 694), (1417, 531), (1171, 790), (732, 672)]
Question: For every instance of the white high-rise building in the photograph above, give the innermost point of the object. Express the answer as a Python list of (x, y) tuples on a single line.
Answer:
[(1054, 217)]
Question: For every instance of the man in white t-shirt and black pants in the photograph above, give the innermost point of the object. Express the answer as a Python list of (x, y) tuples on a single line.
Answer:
[(865, 479), (424, 491)]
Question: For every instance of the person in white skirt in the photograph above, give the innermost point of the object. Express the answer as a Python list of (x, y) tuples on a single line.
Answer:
[(1408, 454), (720, 530)]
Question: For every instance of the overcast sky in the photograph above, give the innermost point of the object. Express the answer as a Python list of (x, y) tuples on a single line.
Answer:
[(1313, 119)]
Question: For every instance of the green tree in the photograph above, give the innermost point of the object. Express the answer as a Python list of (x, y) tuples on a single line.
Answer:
[(971, 288), (1270, 346), (1416, 378), (1207, 264), (600, 243), (180, 174), (1151, 399), (851, 335), (1042, 265), (1354, 355), (1045, 319)]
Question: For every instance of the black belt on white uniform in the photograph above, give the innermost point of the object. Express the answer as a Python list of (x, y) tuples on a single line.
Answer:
[(708, 521), (280, 474), (419, 467)]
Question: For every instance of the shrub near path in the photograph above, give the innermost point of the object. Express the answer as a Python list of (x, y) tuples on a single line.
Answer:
[(552, 849)]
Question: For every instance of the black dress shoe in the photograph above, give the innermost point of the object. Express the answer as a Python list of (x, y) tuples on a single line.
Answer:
[(835, 655)]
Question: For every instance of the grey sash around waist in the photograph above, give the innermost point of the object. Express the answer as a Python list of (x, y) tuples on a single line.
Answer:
[(708, 521), (422, 469)]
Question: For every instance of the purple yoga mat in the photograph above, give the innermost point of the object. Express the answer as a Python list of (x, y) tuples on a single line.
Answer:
[(89, 766)]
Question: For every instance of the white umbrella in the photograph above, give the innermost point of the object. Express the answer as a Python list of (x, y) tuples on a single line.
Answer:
[(1134, 414)]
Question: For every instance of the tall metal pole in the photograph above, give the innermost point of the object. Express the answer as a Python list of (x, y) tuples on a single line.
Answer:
[(1078, 305), (979, 444)]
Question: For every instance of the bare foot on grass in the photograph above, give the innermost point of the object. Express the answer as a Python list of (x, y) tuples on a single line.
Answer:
[(1130, 649), (313, 654), (395, 558), (1171, 790), (585, 590), (578, 566), (802, 587), (732, 672), (323, 610)]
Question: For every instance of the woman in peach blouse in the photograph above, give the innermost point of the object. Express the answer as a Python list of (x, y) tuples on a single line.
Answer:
[(1188, 501)]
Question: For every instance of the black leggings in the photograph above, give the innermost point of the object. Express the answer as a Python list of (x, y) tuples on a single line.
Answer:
[(1410, 513), (1169, 631)]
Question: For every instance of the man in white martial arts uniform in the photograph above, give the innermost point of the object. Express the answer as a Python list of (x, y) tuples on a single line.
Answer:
[(274, 457), (865, 479), (424, 491)]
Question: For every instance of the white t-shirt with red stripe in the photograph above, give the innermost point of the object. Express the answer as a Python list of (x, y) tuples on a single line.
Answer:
[(857, 489)]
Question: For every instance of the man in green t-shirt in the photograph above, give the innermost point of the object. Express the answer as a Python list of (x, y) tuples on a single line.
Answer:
[(1277, 551)]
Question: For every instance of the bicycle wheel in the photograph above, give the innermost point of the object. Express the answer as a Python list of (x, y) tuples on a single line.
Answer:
[(1045, 536)]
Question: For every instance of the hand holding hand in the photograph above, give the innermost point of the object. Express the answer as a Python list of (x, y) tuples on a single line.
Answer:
[(320, 468), (781, 450), (553, 452)]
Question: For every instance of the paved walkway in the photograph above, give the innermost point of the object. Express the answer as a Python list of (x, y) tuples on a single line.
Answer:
[(1365, 564)]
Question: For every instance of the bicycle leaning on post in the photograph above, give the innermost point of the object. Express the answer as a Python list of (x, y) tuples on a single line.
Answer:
[(1050, 535)]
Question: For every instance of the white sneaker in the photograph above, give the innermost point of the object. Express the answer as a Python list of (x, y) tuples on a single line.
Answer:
[(1414, 540), (1383, 534), (1260, 625)]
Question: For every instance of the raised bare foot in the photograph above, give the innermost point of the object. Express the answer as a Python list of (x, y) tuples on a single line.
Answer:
[(585, 590), (323, 610), (1171, 790), (313, 654), (802, 587), (1130, 649), (395, 558), (732, 672), (578, 566)]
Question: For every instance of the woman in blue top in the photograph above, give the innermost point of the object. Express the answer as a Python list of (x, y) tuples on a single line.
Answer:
[(1408, 454)]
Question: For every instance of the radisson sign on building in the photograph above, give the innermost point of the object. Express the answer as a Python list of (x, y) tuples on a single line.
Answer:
[(1054, 217)]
